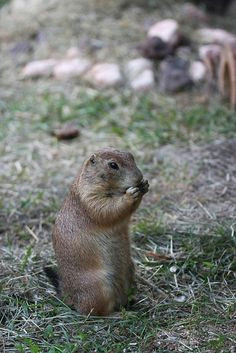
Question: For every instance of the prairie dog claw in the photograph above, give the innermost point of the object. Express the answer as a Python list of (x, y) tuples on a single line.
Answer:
[(143, 186), (137, 191), (134, 192)]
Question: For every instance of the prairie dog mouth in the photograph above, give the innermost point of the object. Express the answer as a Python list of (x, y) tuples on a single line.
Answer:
[(123, 190), (140, 183), (137, 185)]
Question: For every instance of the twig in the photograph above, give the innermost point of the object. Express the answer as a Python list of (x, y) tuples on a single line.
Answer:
[(150, 284), (32, 233), (207, 212)]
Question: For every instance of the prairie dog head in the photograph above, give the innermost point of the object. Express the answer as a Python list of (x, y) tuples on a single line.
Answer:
[(110, 170)]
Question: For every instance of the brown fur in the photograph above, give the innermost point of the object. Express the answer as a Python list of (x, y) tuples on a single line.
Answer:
[(91, 238)]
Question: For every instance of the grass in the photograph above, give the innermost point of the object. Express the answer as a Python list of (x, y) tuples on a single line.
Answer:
[(183, 234), (146, 122), (199, 290), (3, 2), (187, 299)]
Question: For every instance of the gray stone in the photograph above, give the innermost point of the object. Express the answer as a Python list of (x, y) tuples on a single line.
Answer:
[(174, 75)]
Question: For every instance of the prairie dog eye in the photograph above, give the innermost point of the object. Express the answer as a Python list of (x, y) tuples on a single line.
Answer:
[(113, 165)]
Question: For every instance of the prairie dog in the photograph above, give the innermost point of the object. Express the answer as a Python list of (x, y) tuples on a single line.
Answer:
[(90, 236)]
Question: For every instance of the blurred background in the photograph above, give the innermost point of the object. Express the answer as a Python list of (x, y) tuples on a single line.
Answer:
[(157, 78)]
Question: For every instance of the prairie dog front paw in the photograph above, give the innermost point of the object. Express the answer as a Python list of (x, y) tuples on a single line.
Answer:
[(133, 192), (143, 186)]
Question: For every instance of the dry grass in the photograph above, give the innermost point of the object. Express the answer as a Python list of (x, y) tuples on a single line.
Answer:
[(184, 234)]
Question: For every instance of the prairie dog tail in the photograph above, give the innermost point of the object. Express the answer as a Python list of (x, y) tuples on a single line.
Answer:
[(52, 276)]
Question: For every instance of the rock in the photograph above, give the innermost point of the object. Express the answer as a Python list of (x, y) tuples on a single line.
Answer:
[(104, 75), (174, 75), (39, 68), (163, 39), (155, 48), (213, 36), (184, 53), (197, 71), (69, 68), (192, 13), (136, 66), (143, 81), (140, 74), (72, 53), (165, 30), (66, 132), (180, 298), (211, 51)]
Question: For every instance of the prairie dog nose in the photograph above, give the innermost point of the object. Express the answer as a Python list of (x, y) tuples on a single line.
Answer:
[(139, 178)]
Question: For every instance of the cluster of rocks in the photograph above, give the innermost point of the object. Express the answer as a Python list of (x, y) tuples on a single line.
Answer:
[(163, 60), (138, 73), (174, 52)]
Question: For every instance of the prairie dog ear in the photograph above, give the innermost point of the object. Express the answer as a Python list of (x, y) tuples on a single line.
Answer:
[(92, 159)]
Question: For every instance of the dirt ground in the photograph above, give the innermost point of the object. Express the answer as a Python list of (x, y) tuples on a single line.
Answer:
[(183, 234)]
